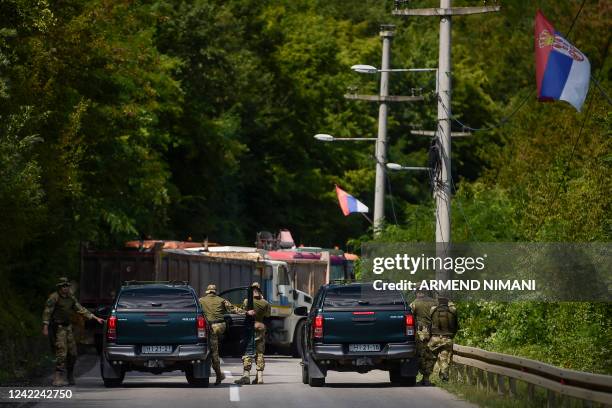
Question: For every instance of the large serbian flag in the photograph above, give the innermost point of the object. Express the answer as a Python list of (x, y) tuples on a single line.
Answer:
[(562, 71), (349, 204)]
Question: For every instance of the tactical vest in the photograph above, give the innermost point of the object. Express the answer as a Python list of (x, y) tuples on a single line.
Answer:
[(63, 309), (443, 321), (421, 307), (262, 309), (214, 307)]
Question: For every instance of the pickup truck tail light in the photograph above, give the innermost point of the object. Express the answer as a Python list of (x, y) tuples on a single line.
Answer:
[(409, 321), (201, 324), (111, 329), (317, 327)]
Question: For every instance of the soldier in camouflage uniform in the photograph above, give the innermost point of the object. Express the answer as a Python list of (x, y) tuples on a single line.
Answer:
[(421, 308), (262, 310), (215, 307), (57, 316), (444, 326)]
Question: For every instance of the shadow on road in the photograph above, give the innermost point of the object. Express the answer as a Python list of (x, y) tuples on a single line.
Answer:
[(361, 385)]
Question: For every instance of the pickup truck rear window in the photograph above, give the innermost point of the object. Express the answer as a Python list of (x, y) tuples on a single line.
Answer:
[(361, 295), (157, 299)]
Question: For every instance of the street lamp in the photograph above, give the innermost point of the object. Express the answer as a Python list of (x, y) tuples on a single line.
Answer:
[(369, 69), (323, 137), (399, 167)]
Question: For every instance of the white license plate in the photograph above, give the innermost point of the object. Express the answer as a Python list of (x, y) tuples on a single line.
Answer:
[(358, 348), (156, 349)]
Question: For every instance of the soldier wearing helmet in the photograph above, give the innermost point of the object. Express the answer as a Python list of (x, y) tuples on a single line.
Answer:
[(57, 322), (215, 308), (443, 328), (421, 308), (262, 310)]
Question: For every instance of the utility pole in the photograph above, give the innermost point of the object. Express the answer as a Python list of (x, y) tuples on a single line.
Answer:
[(442, 187), (386, 32), (381, 143)]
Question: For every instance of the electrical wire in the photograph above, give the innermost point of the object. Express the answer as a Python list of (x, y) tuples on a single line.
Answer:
[(392, 198)]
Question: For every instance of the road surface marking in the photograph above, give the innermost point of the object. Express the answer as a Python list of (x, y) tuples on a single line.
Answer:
[(234, 390)]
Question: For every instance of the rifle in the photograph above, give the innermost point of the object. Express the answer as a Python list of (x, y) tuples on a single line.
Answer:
[(249, 327)]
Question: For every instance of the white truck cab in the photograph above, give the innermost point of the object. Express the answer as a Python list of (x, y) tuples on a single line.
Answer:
[(284, 326)]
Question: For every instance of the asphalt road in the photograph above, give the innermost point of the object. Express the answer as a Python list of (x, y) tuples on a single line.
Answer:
[(282, 388)]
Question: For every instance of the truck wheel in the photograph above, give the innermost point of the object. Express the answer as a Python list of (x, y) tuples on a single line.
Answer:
[(396, 378), (408, 381), (196, 382), (114, 381), (316, 382), (297, 346), (305, 374)]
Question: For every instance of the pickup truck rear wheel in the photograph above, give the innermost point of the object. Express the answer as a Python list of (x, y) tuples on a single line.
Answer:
[(117, 379), (112, 382), (196, 382), (396, 378), (316, 382)]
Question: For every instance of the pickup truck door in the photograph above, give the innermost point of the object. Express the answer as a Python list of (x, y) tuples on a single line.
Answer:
[(233, 342)]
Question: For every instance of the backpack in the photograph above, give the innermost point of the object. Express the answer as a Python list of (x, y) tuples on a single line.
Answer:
[(444, 321)]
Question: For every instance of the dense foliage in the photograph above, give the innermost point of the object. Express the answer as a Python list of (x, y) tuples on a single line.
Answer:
[(194, 118)]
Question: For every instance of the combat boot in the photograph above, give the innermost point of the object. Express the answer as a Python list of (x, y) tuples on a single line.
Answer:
[(259, 378), (59, 380), (70, 374), (71, 378), (220, 377), (245, 379)]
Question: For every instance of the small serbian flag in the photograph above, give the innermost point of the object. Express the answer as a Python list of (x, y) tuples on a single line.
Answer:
[(350, 204), (562, 71)]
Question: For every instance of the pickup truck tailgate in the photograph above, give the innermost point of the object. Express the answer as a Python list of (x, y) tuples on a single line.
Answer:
[(158, 327), (381, 326), (357, 313), (157, 316)]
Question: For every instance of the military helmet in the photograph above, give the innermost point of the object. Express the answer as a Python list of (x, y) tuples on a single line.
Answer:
[(419, 287), (63, 281), (211, 289)]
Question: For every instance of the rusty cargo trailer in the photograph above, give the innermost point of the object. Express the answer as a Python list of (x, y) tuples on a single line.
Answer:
[(308, 275), (104, 271)]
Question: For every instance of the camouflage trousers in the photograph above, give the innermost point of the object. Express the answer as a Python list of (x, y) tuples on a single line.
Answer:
[(65, 348), (426, 358), (442, 349), (260, 347), (216, 331)]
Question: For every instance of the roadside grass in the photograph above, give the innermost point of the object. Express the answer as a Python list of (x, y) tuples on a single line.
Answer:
[(25, 354)]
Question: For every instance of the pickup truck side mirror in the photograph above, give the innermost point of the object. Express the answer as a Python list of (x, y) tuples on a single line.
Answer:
[(301, 311)]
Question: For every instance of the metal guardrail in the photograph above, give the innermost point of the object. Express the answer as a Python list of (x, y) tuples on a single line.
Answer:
[(557, 381)]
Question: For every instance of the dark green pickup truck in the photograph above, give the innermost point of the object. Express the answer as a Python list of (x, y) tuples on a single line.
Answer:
[(352, 327), (155, 327)]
